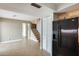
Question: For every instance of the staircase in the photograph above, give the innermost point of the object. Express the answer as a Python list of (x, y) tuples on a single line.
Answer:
[(35, 31)]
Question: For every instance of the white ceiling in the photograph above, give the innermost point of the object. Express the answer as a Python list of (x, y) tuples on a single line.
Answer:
[(65, 7), (50, 5), (15, 15), (27, 12), (26, 9)]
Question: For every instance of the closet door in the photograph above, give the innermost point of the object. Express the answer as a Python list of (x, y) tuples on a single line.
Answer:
[(0, 30), (45, 34)]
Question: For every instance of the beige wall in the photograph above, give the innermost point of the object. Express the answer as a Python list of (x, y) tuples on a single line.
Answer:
[(10, 30)]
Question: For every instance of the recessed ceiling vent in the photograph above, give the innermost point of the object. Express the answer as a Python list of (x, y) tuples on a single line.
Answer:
[(36, 5)]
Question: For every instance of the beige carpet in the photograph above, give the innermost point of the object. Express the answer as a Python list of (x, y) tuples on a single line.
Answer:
[(21, 48)]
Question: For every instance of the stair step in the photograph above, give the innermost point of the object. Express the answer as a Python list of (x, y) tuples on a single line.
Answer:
[(35, 31)]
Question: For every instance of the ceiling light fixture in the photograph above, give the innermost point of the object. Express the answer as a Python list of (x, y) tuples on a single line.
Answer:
[(36, 5)]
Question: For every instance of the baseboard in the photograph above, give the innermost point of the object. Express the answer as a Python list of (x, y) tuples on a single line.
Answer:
[(47, 52), (11, 41)]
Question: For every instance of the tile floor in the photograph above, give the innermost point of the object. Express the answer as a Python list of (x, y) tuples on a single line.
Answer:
[(22, 48)]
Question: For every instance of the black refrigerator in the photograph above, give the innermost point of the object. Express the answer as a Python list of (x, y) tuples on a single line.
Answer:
[(65, 37)]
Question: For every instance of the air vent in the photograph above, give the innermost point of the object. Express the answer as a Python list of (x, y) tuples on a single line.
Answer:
[(35, 5)]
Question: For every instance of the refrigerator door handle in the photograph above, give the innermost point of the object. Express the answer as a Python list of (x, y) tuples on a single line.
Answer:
[(59, 37)]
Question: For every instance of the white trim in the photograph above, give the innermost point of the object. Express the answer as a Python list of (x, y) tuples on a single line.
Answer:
[(11, 41)]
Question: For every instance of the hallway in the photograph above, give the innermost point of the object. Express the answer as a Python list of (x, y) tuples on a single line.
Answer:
[(21, 48)]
